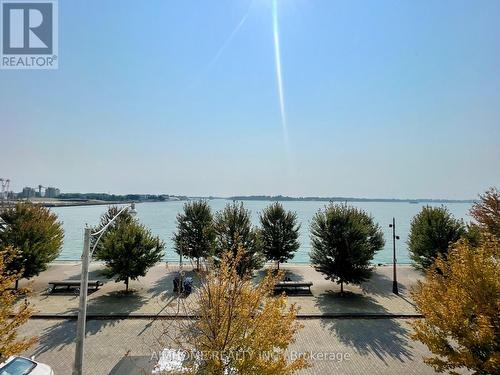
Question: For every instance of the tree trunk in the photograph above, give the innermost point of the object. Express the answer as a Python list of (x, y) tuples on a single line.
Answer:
[(126, 284), (278, 265), (341, 287), (17, 284), (197, 264)]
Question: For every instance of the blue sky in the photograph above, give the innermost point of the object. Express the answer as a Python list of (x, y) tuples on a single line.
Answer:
[(382, 99)]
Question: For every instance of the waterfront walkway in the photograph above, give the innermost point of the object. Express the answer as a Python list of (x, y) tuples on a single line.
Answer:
[(129, 346), (153, 296), (126, 332)]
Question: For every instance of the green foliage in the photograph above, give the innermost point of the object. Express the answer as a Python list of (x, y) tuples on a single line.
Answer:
[(233, 230), (124, 218), (195, 236), (279, 233), (344, 240), (128, 250), (473, 234), (36, 233), (432, 232)]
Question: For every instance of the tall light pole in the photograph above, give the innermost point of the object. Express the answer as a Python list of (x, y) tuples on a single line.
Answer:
[(394, 260), (82, 307), (181, 274)]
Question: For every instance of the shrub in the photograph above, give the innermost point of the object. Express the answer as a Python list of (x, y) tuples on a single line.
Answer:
[(344, 240), (432, 231)]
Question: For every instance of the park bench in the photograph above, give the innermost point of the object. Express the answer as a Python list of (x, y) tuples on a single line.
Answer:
[(68, 284), (296, 287)]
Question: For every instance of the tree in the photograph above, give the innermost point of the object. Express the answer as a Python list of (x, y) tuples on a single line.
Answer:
[(344, 240), (279, 233), (432, 231), (129, 250), (233, 230), (36, 233), (195, 235), (486, 211), (124, 218), (242, 328), (460, 301), (10, 317)]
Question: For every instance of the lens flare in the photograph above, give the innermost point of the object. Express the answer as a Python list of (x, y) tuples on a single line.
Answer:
[(279, 80)]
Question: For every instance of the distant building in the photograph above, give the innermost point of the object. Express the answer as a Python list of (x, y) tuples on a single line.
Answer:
[(28, 192), (52, 192)]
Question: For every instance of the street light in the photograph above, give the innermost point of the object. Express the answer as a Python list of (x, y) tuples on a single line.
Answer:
[(394, 260), (82, 308)]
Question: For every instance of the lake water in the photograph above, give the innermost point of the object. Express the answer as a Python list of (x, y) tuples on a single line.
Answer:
[(160, 217)]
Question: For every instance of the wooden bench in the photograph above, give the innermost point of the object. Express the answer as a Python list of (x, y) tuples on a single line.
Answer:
[(69, 284), (286, 286)]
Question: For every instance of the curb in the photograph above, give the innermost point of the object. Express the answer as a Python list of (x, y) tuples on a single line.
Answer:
[(353, 315)]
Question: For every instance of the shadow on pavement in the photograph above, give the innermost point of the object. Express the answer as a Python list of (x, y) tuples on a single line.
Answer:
[(381, 337), (380, 284), (133, 365), (63, 334), (333, 302), (117, 302), (385, 339)]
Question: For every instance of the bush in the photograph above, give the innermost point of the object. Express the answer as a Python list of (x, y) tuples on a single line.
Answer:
[(195, 236), (35, 232), (460, 300), (344, 240), (486, 211), (432, 231), (233, 230), (242, 327), (279, 233), (11, 317), (128, 249)]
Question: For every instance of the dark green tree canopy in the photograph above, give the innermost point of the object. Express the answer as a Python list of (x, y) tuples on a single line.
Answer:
[(36, 233), (279, 233), (128, 249), (233, 230), (344, 240), (124, 218), (195, 236), (432, 231)]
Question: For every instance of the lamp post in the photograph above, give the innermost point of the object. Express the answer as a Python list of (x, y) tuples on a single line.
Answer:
[(181, 274), (82, 307), (394, 260)]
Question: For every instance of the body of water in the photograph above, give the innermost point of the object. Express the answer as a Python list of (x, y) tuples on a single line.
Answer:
[(160, 217)]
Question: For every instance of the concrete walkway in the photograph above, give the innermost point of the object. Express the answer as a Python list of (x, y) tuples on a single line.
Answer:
[(335, 346), (153, 296), (128, 337)]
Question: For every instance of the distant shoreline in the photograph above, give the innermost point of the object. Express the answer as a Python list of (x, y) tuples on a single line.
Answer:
[(57, 203), (281, 198)]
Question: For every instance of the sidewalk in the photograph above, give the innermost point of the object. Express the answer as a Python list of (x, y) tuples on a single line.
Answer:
[(153, 296)]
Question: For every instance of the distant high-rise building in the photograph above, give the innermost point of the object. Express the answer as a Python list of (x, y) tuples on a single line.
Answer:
[(52, 192), (28, 192)]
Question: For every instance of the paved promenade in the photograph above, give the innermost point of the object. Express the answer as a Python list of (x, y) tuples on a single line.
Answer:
[(126, 331), (153, 294), (340, 346)]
